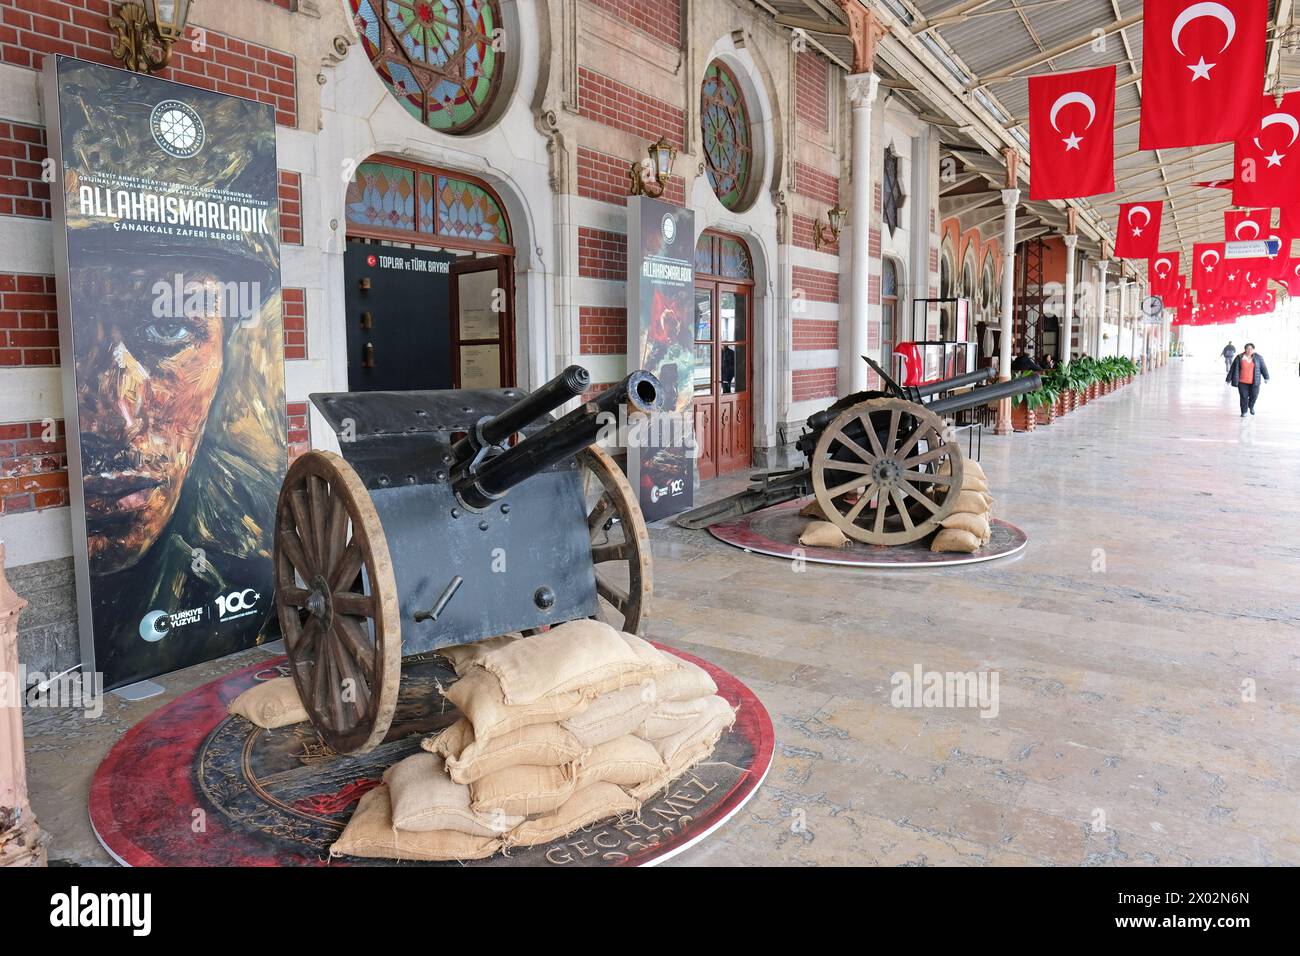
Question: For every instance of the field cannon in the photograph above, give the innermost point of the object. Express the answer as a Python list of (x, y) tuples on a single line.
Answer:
[(884, 465), (451, 516)]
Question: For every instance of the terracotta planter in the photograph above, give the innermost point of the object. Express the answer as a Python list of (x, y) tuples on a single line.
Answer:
[(1047, 414), (1023, 418)]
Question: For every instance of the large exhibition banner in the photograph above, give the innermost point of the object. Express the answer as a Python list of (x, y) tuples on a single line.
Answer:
[(661, 339), (167, 251)]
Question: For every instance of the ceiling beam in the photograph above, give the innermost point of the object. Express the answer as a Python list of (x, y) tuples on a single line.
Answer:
[(1009, 72)]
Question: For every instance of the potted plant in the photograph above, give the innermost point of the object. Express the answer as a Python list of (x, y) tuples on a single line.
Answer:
[(1031, 407)]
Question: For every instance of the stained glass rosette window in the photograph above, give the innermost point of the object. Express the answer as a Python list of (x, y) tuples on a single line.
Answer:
[(438, 57), (728, 150), (391, 197)]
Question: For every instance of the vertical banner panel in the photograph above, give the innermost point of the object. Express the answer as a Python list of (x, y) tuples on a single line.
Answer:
[(660, 306), (167, 252)]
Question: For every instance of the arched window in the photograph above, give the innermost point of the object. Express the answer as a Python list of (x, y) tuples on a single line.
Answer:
[(728, 146), (888, 310), (440, 58)]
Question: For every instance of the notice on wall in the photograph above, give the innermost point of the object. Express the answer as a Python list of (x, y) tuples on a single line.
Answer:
[(167, 254), (660, 311), (480, 366)]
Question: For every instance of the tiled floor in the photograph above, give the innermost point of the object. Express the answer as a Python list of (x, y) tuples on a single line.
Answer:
[(1159, 586)]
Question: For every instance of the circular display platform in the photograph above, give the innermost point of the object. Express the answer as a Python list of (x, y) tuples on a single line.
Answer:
[(775, 531), (191, 785)]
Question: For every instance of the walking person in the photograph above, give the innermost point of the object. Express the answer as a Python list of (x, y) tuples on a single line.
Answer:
[(1229, 351), (1247, 372)]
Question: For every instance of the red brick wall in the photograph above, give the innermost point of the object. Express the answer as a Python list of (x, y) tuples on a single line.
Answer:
[(299, 429), (33, 471), (613, 104), (816, 334), (812, 90), (817, 284), (290, 208), (602, 330), (29, 29), (813, 383), (803, 235), (605, 177), (22, 150), (295, 322), (810, 181), (602, 254), (662, 19), (29, 320)]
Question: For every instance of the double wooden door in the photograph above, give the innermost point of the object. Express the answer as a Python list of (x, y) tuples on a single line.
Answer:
[(723, 376)]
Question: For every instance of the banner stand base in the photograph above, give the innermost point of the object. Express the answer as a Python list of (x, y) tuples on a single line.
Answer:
[(140, 690)]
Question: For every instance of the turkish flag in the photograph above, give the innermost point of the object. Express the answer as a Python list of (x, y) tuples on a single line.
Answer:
[(1202, 68), (1289, 221), (1207, 266), (1243, 225), (1215, 184), (1268, 156), (1234, 279), (1137, 235), (1072, 134), (1291, 276), (1162, 273)]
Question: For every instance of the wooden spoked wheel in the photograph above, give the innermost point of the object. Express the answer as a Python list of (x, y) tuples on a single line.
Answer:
[(886, 471), (620, 542), (337, 602)]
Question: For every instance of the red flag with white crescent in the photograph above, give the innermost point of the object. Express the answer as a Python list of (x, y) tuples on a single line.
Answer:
[(1202, 66), (1291, 276), (1207, 266), (1161, 272), (1072, 134), (1137, 234), (1268, 156), (1244, 225)]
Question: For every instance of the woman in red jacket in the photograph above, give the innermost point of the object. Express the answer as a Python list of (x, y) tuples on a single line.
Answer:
[(1246, 373)]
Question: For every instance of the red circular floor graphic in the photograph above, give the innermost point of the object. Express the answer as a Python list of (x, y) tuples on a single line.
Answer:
[(192, 786)]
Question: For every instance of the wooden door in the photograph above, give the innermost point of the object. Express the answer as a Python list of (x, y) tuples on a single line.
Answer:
[(482, 323), (723, 377)]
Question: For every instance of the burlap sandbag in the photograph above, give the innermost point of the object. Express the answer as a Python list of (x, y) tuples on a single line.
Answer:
[(465, 656), (272, 703), (715, 716), (543, 745), (972, 502), (371, 834), (523, 790), (424, 797), (977, 525), (812, 509), (673, 716), (822, 534), (583, 655), (686, 682), (478, 695), (627, 761), (654, 660), (969, 468), (974, 483), (955, 540), (588, 805), (612, 715)]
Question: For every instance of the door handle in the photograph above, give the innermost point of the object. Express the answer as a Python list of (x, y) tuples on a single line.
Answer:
[(368, 356)]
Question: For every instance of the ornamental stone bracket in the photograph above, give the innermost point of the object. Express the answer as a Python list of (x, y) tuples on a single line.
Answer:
[(865, 31), (22, 842)]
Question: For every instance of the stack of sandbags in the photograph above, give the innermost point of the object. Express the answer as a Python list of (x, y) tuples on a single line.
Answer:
[(557, 731), (968, 528), (820, 533)]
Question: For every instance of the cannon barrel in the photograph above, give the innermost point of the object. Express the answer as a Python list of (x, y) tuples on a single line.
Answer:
[(977, 377), (561, 439), (496, 430), (989, 393)]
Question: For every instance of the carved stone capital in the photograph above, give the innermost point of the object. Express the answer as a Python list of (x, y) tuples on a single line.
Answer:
[(1010, 197), (862, 89)]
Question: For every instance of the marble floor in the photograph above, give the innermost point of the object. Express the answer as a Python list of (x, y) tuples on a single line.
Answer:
[(1146, 647)]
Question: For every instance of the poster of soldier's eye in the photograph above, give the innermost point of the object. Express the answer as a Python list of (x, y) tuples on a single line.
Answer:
[(168, 274)]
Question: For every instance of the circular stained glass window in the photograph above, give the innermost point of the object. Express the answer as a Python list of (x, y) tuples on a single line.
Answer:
[(440, 58), (728, 150)]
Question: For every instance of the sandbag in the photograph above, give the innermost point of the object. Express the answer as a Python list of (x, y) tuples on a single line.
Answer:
[(522, 790), (977, 525), (612, 715), (812, 509), (686, 682), (272, 703), (972, 502), (823, 534), (627, 761), (479, 697), (715, 716), (969, 467), (423, 797), (588, 805), (543, 745), (586, 656), (687, 749), (465, 656), (955, 540), (371, 834), (974, 483), (673, 716)]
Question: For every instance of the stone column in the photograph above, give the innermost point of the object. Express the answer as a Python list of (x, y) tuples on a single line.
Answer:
[(1103, 264), (22, 842), (862, 88), (1119, 316), (1010, 197), (1067, 325)]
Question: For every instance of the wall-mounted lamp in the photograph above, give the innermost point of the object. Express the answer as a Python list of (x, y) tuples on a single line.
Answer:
[(650, 176), (146, 31), (828, 233)]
